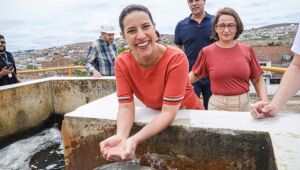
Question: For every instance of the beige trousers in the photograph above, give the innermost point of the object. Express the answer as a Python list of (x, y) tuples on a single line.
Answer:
[(230, 103)]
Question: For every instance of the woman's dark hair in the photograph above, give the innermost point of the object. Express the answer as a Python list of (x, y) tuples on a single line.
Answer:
[(157, 34), (1, 37), (131, 8), (235, 15)]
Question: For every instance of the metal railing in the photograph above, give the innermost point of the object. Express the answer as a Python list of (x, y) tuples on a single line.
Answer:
[(274, 69), (71, 68), (68, 68)]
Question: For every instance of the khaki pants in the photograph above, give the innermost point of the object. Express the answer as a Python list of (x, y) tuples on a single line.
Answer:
[(230, 103)]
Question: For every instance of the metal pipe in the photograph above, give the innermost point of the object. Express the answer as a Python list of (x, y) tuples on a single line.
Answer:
[(68, 68), (274, 69), (71, 68)]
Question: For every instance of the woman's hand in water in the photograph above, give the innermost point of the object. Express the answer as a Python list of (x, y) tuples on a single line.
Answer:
[(128, 152), (112, 147), (117, 148)]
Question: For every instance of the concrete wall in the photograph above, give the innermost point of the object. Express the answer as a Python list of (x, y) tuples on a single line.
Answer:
[(29, 104), (70, 94), (24, 107), (177, 147), (195, 139)]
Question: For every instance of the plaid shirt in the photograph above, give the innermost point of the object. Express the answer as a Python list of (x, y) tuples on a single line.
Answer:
[(101, 56)]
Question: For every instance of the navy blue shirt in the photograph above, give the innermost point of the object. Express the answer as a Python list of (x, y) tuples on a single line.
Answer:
[(194, 36)]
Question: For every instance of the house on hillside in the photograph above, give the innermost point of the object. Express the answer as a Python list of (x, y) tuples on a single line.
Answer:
[(58, 62)]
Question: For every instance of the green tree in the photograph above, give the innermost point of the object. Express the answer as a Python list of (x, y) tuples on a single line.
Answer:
[(81, 73), (121, 49), (31, 67)]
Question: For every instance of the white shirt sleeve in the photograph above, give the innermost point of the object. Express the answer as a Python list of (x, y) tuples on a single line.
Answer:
[(296, 45)]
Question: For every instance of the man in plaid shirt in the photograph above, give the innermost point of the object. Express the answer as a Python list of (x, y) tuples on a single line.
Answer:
[(101, 56)]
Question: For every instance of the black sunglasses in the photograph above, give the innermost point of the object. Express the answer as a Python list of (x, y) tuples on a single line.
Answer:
[(2, 42)]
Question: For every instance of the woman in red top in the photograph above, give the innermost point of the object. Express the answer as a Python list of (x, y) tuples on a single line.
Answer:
[(230, 65), (156, 74)]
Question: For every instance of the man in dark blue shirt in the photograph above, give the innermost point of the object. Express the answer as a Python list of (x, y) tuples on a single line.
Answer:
[(8, 74), (194, 33)]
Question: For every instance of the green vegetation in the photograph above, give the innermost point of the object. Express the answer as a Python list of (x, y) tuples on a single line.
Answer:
[(274, 43), (31, 67), (81, 73), (121, 49)]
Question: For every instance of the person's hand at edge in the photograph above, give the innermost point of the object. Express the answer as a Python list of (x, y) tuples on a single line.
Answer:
[(263, 109), (96, 73), (256, 111), (270, 109)]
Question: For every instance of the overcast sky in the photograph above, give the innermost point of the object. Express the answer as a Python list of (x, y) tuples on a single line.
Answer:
[(35, 24)]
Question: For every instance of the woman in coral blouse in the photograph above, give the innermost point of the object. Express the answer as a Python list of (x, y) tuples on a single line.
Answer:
[(156, 74), (230, 65)]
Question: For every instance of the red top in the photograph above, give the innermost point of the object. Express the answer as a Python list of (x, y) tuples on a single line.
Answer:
[(166, 82), (229, 69)]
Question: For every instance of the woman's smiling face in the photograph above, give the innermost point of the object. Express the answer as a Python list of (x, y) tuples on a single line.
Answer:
[(139, 32)]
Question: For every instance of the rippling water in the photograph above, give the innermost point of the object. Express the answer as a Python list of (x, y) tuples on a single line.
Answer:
[(17, 155)]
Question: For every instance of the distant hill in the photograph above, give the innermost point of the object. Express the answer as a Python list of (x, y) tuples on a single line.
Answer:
[(276, 25), (275, 34), (271, 35)]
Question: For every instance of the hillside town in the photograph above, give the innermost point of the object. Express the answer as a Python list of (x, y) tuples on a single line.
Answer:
[(270, 43), (278, 34)]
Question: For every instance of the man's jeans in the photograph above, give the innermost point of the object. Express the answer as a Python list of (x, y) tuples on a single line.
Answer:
[(203, 87)]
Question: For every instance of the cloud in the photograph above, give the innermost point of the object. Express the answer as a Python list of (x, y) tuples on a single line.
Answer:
[(45, 23), (257, 13)]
